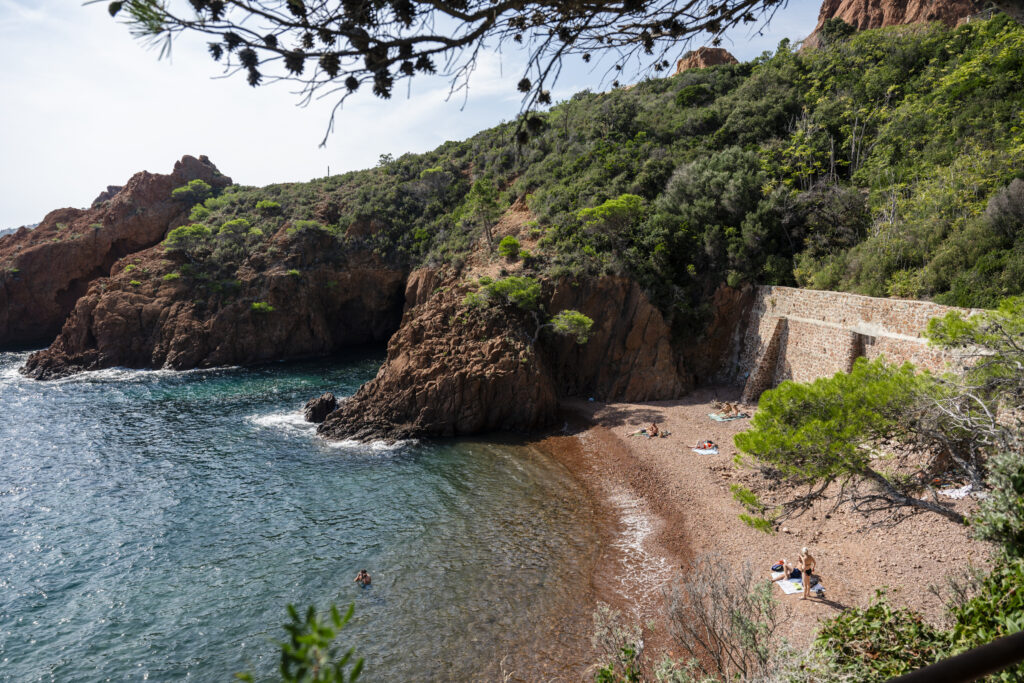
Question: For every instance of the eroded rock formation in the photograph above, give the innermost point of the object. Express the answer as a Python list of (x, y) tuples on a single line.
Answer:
[(865, 14), (138, 319), (704, 57), (44, 271), (453, 369)]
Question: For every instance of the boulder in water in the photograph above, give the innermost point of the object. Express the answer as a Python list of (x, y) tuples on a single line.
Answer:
[(317, 409)]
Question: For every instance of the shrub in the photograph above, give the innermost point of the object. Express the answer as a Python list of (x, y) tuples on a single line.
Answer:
[(267, 207), (509, 247), (172, 276), (195, 191), (294, 272), (187, 238), (261, 307), (618, 645), (1005, 210), (522, 292), (130, 267), (996, 611), (876, 643), (474, 300), (199, 213), (572, 323), (694, 95), (723, 618), (135, 283), (835, 30), (1000, 516)]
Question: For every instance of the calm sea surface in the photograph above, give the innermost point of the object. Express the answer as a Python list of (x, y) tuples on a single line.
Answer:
[(153, 526)]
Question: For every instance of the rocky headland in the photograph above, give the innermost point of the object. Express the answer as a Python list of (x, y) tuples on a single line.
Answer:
[(146, 316), (453, 369), (44, 271)]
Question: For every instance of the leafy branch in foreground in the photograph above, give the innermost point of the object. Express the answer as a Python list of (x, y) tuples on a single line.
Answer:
[(310, 654), (333, 47)]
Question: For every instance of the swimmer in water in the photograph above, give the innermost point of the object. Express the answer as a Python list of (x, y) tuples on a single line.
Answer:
[(363, 578)]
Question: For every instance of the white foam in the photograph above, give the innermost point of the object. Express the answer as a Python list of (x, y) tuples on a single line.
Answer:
[(643, 572), (376, 446), (289, 420), (120, 374)]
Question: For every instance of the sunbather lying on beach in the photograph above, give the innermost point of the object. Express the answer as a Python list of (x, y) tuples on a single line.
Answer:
[(704, 445)]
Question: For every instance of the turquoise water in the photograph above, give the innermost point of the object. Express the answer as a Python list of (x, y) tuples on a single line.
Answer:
[(154, 525)]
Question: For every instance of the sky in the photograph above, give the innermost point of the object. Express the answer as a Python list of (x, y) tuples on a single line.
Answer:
[(84, 105)]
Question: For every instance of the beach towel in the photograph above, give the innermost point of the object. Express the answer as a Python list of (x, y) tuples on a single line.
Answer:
[(957, 493), (794, 586), (705, 451), (722, 418)]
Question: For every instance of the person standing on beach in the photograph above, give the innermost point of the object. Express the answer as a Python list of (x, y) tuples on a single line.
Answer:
[(807, 567)]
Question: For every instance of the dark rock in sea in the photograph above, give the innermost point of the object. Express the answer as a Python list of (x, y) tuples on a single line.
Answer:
[(44, 271), (317, 409)]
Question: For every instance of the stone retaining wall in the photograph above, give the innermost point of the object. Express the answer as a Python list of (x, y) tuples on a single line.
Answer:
[(804, 334)]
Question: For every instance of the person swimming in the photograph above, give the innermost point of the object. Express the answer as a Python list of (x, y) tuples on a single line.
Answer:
[(363, 578)]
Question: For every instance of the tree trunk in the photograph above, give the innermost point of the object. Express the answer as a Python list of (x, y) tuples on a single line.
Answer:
[(902, 499)]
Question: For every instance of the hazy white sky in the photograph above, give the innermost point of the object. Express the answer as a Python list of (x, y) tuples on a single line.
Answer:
[(83, 105)]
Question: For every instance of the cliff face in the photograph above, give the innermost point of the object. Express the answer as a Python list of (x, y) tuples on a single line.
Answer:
[(137, 318), (44, 271), (704, 57), (453, 369), (865, 14)]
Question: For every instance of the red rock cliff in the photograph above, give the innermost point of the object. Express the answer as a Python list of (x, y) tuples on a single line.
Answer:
[(704, 57), (452, 369), (138, 319), (44, 271), (865, 14)]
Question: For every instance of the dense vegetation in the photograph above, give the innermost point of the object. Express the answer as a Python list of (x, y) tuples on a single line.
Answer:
[(885, 163)]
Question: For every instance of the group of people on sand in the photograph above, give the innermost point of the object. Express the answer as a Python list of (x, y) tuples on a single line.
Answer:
[(727, 408), (802, 569)]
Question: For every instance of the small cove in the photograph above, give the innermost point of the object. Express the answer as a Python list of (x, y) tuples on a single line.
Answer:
[(153, 526)]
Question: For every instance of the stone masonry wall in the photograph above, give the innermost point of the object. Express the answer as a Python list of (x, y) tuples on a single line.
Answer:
[(804, 334)]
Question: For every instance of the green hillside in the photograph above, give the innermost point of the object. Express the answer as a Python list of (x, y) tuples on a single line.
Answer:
[(881, 164)]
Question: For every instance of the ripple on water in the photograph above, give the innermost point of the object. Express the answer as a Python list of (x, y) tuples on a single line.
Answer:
[(157, 523)]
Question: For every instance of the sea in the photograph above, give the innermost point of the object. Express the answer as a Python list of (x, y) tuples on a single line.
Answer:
[(155, 525)]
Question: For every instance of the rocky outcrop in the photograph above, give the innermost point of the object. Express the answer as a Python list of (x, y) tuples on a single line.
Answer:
[(865, 14), (106, 195), (454, 369), (44, 271), (704, 57), (296, 307), (317, 409)]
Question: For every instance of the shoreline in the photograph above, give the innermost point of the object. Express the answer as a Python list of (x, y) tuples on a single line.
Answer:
[(690, 511)]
